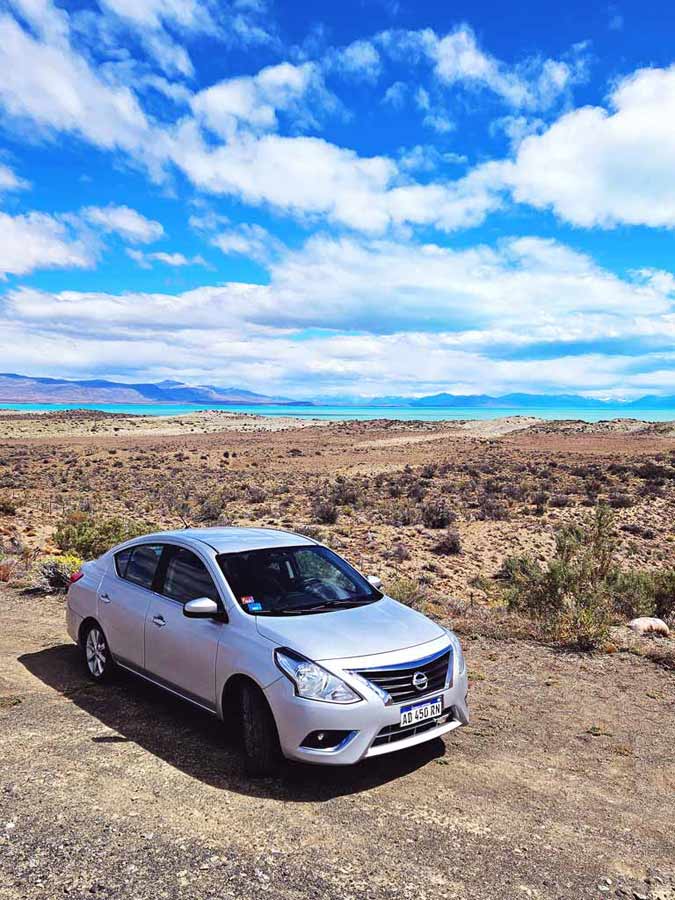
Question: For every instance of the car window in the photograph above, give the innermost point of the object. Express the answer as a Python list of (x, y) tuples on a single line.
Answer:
[(141, 564), (290, 580), (121, 560), (314, 566), (187, 578)]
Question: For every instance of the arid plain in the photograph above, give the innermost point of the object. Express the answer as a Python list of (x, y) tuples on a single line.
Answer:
[(564, 784)]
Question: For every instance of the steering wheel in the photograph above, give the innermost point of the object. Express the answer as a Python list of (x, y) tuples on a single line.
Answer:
[(323, 589)]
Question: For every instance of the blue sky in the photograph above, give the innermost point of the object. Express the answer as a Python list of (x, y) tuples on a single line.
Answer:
[(364, 198)]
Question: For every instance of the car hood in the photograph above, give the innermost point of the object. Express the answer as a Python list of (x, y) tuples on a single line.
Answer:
[(379, 627)]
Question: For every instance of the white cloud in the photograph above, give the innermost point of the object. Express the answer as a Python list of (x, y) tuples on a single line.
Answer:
[(58, 91), (434, 117), (531, 287), (157, 22), (50, 22), (604, 167), (428, 318), (252, 241), (395, 95), (365, 194), (254, 101), (10, 181), (176, 260), (360, 59), (126, 222), (274, 170), (457, 58), (39, 241), (427, 158)]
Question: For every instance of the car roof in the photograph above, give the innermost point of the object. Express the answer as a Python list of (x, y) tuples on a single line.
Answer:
[(233, 539)]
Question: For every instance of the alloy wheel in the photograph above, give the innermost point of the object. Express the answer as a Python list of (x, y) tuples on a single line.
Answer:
[(96, 652)]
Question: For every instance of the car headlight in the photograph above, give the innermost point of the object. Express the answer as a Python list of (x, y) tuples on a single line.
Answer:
[(457, 653), (311, 680)]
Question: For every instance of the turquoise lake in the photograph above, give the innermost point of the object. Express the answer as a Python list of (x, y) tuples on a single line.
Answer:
[(355, 412)]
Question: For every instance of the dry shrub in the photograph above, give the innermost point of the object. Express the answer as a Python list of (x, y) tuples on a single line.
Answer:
[(89, 536), (411, 592), (450, 544), (437, 514)]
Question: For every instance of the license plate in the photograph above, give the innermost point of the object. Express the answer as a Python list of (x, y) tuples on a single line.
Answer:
[(421, 712)]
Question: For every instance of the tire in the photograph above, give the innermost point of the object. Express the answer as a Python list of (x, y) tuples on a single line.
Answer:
[(259, 733), (98, 661)]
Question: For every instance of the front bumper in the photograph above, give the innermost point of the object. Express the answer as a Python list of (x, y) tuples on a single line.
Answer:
[(363, 722)]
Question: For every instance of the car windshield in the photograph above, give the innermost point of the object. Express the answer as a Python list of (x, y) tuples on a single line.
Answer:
[(294, 580)]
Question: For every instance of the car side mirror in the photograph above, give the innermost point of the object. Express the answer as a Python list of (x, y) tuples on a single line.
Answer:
[(201, 608), (375, 580)]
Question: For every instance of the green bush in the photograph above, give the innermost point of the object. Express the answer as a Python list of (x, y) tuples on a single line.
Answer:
[(633, 593), (581, 591), (89, 537), (570, 596), (664, 595)]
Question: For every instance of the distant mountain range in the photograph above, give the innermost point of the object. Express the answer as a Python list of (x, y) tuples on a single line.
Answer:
[(29, 389)]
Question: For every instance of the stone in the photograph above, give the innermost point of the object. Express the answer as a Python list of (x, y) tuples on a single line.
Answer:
[(648, 625)]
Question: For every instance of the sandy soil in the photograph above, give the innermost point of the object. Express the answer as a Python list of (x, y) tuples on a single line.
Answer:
[(561, 788)]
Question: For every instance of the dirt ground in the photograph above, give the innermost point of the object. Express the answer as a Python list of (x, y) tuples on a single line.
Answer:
[(562, 787)]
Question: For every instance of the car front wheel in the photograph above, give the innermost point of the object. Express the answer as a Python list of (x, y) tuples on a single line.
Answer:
[(259, 733), (97, 656)]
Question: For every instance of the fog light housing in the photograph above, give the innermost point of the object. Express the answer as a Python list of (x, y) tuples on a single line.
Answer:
[(325, 740)]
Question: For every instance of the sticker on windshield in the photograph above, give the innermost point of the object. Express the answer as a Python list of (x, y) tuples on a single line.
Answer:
[(255, 607), (247, 599)]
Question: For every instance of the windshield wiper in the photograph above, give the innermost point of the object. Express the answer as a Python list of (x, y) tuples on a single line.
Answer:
[(332, 604)]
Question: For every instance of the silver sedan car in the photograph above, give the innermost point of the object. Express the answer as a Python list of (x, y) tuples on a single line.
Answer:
[(276, 634)]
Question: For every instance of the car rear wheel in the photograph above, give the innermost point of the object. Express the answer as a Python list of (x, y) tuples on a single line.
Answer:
[(97, 656), (259, 733)]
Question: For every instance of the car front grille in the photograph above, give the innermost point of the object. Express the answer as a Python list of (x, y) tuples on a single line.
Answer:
[(391, 733), (397, 681)]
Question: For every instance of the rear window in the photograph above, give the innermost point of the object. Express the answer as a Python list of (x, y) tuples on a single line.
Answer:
[(139, 564)]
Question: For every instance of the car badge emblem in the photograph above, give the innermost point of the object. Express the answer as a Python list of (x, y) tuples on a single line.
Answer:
[(420, 681)]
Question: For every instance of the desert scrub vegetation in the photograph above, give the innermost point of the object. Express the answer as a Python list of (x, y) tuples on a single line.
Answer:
[(7, 507), (450, 543), (53, 573), (89, 536), (437, 514), (412, 592), (581, 591)]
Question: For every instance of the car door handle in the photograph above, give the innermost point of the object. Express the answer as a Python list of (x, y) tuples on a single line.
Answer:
[(105, 598), (159, 621)]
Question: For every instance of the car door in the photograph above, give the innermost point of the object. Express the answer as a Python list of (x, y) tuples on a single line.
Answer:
[(124, 596), (181, 652)]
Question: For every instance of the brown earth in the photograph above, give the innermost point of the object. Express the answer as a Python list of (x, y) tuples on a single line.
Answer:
[(562, 787), (504, 494)]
